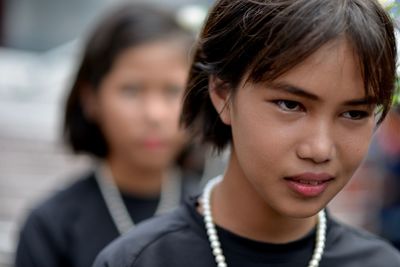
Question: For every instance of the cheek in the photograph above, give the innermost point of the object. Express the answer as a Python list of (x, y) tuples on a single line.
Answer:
[(258, 144), (119, 120), (120, 115), (354, 149), (175, 110)]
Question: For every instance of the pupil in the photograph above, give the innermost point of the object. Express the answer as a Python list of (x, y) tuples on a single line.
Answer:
[(291, 104)]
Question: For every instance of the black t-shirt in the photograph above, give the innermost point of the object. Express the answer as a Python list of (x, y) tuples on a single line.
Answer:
[(71, 227), (178, 239)]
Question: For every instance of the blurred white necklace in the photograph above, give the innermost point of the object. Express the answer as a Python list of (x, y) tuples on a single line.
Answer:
[(216, 245), (169, 198)]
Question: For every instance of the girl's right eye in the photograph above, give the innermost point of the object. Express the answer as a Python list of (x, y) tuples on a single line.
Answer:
[(289, 105), (131, 90), (172, 91)]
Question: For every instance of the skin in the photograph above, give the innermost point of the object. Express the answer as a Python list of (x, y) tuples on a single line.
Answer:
[(137, 106), (279, 132)]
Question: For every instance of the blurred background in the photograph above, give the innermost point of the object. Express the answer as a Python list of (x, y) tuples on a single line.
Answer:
[(40, 42)]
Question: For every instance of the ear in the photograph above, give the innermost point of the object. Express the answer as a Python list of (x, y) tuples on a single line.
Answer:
[(220, 97), (89, 102)]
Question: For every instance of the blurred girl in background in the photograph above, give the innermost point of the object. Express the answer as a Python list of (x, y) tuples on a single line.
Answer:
[(123, 109)]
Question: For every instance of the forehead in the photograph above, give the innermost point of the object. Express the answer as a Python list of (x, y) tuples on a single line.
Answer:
[(333, 69), (334, 59), (156, 51)]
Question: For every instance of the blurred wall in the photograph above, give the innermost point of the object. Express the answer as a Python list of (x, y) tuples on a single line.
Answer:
[(1, 21), (43, 24)]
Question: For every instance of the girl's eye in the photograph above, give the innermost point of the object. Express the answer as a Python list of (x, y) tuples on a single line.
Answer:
[(131, 90), (356, 114), (173, 91), (288, 105)]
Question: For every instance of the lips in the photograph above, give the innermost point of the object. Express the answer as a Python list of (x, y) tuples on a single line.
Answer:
[(154, 143), (309, 184)]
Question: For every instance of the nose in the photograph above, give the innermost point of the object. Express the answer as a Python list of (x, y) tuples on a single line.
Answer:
[(318, 144), (155, 109)]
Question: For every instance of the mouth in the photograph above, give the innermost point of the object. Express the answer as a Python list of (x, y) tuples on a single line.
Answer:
[(153, 143), (309, 184)]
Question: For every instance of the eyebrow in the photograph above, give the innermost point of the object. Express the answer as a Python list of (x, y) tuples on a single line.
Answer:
[(366, 101), (295, 90)]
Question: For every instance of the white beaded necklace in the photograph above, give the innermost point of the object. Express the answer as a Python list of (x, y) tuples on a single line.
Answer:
[(169, 198), (216, 245)]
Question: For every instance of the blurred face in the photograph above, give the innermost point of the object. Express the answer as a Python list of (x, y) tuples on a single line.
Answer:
[(298, 140), (138, 104)]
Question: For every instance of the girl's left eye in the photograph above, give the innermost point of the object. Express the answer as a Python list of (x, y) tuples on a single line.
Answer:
[(356, 114), (173, 91), (288, 105)]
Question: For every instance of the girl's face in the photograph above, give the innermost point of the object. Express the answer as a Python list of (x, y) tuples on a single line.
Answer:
[(299, 139), (138, 104)]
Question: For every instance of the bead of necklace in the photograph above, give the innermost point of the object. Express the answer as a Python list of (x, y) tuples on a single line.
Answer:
[(169, 198), (216, 245)]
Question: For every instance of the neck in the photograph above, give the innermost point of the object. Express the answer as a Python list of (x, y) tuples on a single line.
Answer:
[(260, 222), (134, 179)]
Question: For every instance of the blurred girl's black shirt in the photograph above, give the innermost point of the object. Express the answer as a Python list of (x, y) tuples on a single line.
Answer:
[(70, 228)]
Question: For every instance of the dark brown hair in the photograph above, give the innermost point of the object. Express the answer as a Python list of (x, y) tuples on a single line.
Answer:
[(266, 38), (124, 27)]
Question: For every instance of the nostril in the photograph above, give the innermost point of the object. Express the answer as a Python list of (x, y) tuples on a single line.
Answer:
[(316, 151)]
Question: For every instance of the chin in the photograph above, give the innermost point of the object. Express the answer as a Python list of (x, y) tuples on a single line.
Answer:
[(302, 210), (302, 214), (156, 164)]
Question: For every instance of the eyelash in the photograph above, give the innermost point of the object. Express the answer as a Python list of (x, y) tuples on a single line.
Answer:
[(131, 90), (360, 114), (281, 102), (173, 91)]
